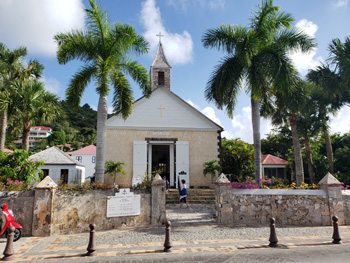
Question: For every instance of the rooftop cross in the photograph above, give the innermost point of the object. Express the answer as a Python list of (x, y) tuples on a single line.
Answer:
[(160, 36)]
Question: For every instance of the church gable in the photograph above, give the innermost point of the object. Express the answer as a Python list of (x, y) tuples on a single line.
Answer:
[(163, 110)]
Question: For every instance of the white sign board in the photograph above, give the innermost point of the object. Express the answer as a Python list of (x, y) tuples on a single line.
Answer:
[(124, 203)]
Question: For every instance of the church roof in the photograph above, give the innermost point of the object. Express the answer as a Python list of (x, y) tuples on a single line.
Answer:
[(271, 159), (160, 60), (54, 156), (163, 110)]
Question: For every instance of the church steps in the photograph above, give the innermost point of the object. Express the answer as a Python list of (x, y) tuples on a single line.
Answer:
[(194, 196)]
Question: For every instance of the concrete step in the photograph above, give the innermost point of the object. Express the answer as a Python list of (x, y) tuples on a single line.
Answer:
[(194, 196)]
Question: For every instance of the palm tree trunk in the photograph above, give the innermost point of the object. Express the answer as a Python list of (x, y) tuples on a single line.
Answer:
[(310, 164), (299, 170), (329, 150), (101, 138), (256, 138), (3, 123), (25, 136)]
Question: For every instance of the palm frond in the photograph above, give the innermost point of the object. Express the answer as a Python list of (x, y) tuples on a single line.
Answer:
[(294, 40), (224, 84), (225, 37), (75, 45), (138, 73), (123, 96), (78, 83)]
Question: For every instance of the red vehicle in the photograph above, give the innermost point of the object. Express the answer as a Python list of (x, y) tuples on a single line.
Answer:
[(8, 219)]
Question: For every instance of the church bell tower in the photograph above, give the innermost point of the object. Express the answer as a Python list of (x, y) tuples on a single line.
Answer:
[(160, 69)]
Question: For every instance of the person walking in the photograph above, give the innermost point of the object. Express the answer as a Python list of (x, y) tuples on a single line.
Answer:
[(183, 193)]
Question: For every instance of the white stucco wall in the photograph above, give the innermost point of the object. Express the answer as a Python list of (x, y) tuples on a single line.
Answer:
[(55, 172), (87, 161)]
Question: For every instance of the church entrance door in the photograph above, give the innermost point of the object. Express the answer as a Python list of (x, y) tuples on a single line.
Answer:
[(161, 159)]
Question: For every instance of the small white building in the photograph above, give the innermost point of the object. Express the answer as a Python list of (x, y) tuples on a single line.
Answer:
[(86, 156), (60, 166)]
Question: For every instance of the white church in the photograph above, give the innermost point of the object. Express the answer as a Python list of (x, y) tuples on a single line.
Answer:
[(164, 134)]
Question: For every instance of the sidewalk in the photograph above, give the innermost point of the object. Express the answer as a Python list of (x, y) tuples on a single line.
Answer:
[(191, 243)]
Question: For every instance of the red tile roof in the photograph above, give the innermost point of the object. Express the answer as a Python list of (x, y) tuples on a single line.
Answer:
[(91, 149), (42, 128), (271, 159), (8, 150)]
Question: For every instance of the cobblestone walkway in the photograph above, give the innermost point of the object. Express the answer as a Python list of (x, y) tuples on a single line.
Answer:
[(195, 214)]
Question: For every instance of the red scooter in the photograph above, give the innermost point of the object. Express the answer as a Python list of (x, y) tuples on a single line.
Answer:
[(7, 220)]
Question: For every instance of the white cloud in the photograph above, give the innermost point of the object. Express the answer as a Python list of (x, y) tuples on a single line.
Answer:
[(341, 3), (33, 23), (242, 126), (210, 113), (341, 121), (185, 5), (52, 85), (306, 61), (192, 104), (177, 47)]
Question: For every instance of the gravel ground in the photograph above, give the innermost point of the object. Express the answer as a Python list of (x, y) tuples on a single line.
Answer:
[(138, 236)]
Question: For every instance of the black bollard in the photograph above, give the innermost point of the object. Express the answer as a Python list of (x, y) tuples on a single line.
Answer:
[(8, 252), (167, 242), (336, 235), (273, 237), (92, 245)]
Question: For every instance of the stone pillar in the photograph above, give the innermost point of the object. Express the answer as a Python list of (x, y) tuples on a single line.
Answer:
[(43, 207), (158, 210), (335, 200), (223, 193)]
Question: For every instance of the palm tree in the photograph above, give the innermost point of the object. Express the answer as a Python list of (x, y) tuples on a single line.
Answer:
[(286, 107), (105, 49), (10, 62), (34, 105), (113, 168), (333, 83), (309, 126), (257, 59), (12, 70)]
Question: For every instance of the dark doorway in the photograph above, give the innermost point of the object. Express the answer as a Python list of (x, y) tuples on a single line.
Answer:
[(64, 176), (160, 160)]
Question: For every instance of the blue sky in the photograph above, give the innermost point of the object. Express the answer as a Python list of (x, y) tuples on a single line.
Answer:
[(32, 23)]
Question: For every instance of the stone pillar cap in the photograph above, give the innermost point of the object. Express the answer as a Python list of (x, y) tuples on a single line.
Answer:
[(157, 180), (222, 179), (46, 183), (329, 180)]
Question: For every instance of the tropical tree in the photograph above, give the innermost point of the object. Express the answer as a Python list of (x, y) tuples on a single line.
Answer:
[(286, 107), (113, 168), (105, 50), (10, 64), (237, 159), (11, 70), (211, 168), (333, 83), (257, 59), (34, 105)]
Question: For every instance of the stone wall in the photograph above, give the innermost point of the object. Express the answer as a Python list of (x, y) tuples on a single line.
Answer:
[(287, 206), (22, 205), (47, 211), (346, 199), (73, 212)]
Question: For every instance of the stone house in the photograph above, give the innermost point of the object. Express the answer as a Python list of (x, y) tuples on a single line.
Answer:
[(60, 166), (163, 134)]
